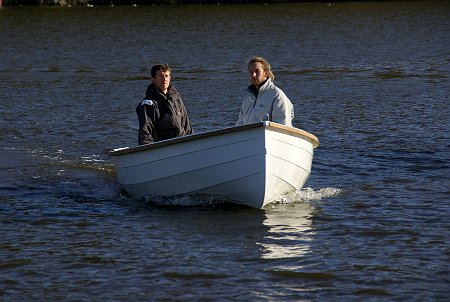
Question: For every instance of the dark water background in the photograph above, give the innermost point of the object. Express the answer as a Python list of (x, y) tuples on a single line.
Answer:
[(371, 80)]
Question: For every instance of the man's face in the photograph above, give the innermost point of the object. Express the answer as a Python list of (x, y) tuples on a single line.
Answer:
[(257, 74), (162, 80)]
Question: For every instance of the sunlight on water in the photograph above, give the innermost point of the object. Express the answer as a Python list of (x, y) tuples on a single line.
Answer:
[(84, 163)]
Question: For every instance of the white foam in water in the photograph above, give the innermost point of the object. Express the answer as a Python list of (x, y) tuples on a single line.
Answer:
[(307, 194), (186, 200), (92, 158)]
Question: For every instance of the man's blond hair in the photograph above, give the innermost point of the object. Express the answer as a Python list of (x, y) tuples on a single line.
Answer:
[(265, 65)]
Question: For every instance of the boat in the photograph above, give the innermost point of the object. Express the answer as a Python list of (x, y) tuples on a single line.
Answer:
[(250, 164)]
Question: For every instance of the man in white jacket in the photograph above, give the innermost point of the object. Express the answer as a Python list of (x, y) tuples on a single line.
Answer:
[(263, 100)]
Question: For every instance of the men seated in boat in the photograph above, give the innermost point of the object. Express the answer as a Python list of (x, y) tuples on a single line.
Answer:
[(263, 100), (162, 114)]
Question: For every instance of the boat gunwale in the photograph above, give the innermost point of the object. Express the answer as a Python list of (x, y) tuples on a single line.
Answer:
[(310, 137)]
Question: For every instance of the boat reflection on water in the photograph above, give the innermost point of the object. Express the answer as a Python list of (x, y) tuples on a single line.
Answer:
[(290, 230)]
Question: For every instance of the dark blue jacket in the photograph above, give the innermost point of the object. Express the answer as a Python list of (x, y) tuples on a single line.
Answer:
[(162, 116)]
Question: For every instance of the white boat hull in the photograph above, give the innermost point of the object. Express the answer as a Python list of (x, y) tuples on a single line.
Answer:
[(251, 165)]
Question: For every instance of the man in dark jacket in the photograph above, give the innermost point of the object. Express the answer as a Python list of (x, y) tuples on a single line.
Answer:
[(162, 114)]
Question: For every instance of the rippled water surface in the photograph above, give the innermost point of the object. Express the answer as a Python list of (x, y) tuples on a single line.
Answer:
[(370, 80)]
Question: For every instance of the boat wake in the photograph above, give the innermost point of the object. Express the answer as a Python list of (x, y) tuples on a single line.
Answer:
[(303, 195), (187, 200), (308, 194)]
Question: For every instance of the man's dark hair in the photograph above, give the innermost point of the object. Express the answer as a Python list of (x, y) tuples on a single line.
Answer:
[(162, 67)]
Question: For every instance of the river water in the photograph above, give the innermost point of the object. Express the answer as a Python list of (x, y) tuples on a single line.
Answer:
[(370, 80)]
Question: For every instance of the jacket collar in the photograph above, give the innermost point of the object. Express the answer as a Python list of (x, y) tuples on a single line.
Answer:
[(151, 91), (261, 88)]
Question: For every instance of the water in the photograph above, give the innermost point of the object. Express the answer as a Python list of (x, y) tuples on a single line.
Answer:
[(370, 80)]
